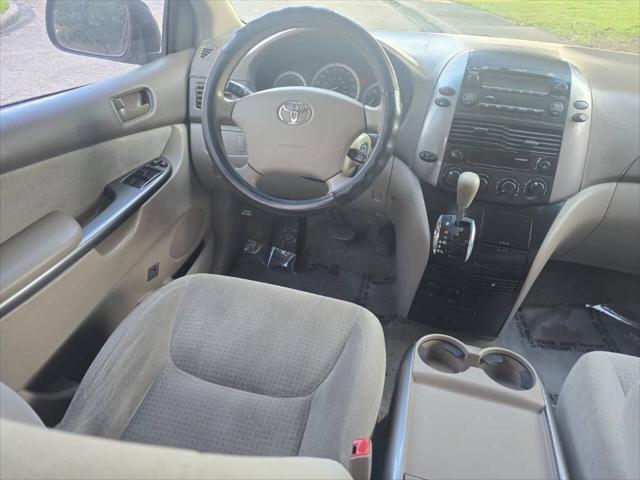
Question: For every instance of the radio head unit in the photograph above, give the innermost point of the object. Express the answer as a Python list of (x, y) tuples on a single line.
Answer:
[(508, 127), (515, 92)]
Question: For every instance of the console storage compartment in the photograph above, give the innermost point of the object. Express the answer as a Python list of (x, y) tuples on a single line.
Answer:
[(462, 412)]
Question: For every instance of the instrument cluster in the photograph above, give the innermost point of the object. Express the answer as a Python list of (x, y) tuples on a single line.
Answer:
[(337, 77)]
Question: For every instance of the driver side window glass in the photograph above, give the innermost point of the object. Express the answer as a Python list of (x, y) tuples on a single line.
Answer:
[(32, 66)]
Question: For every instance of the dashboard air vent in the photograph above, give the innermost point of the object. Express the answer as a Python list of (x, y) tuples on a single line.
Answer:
[(199, 93), (497, 136), (205, 52)]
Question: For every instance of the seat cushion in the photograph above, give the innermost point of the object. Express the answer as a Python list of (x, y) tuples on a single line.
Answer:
[(598, 418), (226, 365), (14, 407)]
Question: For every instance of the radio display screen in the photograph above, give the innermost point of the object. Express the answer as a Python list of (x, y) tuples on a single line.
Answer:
[(522, 82), (500, 159)]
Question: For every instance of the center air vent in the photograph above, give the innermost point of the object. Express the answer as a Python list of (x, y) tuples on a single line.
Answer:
[(199, 93), (497, 136)]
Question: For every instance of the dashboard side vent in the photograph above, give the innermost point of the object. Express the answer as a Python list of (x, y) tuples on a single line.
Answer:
[(199, 94), (498, 136), (205, 52)]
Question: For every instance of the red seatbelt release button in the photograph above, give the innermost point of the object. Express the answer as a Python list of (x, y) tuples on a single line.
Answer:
[(360, 461), (361, 447)]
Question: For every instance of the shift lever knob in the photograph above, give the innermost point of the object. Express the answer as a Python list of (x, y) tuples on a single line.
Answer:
[(468, 184)]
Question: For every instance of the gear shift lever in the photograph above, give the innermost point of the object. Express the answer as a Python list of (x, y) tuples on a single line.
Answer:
[(454, 234), (468, 184)]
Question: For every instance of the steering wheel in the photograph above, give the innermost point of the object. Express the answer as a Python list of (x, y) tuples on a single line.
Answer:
[(302, 131)]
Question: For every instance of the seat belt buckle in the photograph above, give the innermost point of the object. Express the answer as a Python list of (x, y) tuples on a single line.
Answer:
[(360, 461)]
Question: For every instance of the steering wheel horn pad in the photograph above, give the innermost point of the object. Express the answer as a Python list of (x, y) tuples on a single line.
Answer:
[(301, 131), (287, 130)]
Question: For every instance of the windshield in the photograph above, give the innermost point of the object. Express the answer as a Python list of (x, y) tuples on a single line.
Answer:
[(607, 24)]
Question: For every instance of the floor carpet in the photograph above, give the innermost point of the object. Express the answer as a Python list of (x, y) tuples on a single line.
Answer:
[(554, 338)]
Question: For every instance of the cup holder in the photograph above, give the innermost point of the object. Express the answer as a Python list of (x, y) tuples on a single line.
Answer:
[(507, 370), (443, 356)]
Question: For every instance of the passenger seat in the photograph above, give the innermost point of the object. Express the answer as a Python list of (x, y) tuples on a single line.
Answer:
[(598, 416)]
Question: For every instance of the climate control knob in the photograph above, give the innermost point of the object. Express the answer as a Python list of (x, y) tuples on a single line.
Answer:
[(484, 183), (450, 176), (535, 188), (508, 187)]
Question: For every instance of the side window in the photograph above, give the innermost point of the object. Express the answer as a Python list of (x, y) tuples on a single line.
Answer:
[(55, 45)]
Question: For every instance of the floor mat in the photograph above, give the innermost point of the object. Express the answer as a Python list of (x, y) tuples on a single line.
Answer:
[(554, 338)]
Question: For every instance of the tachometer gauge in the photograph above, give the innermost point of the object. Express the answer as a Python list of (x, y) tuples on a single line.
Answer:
[(338, 78), (371, 95), (289, 79)]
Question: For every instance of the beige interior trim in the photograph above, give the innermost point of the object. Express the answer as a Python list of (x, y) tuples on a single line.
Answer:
[(35, 249), (615, 243), (579, 216), (39, 453), (462, 423), (407, 211), (218, 18), (30, 192)]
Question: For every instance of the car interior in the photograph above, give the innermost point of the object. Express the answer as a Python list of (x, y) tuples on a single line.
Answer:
[(296, 248)]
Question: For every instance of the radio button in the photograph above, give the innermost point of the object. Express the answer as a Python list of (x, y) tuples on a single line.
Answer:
[(556, 109), (469, 98), (456, 154), (580, 117), (446, 91), (428, 157), (560, 87), (508, 187), (473, 79), (443, 102), (580, 104), (450, 176)]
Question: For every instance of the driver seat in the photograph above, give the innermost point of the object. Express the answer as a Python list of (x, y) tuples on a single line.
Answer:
[(225, 365)]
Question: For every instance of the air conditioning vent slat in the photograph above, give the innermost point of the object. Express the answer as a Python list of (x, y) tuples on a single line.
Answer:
[(199, 94), (205, 52), (495, 136)]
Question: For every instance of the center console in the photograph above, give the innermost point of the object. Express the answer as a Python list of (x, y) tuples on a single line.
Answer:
[(462, 412), (520, 123)]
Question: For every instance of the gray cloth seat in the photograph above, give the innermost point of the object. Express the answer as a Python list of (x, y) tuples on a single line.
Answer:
[(224, 365), (598, 417)]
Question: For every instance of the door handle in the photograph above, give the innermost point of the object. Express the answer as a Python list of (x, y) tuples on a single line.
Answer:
[(132, 105)]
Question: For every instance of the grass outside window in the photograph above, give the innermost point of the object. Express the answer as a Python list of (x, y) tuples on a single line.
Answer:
[(607, 24)]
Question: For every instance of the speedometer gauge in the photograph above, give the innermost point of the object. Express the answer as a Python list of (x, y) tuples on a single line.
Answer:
[(338, 78), (289, 79)]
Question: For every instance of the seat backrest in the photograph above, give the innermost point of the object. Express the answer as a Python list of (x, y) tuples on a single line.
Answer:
[(631, 431)]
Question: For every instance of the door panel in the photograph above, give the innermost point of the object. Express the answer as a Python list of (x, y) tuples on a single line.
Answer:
[(82, 148), (73, 182)]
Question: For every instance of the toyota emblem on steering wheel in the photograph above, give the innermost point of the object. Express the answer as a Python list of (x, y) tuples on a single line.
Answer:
[(294, 113)]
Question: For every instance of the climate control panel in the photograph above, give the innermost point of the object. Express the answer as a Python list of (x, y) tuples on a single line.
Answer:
[(501, 186)]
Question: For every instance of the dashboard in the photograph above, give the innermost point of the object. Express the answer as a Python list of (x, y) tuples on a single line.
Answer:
[(551, 130)]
